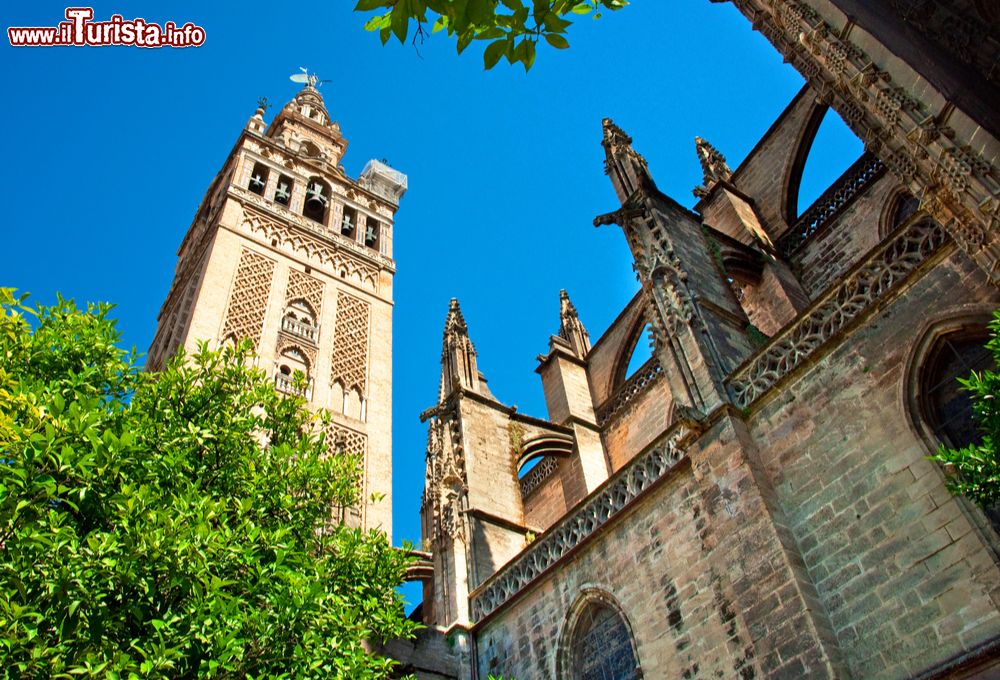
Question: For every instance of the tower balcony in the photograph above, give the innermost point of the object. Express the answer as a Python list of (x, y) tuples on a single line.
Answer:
[(285, 385), (300, 329)]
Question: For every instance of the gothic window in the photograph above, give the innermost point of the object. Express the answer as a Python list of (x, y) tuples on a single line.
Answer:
[(372, 232), (258, 179), (601, 646), (317, 200), (903, 206), (283, 192), (349, 222), (945, 406)]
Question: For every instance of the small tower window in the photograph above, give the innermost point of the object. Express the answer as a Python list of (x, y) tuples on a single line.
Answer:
[(258, 179), (317, 199), (283, 192), (372, 230), (349, 221)]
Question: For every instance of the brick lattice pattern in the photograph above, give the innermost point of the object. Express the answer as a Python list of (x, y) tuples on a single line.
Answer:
[(304, 287), (349, 365), (248, 300)]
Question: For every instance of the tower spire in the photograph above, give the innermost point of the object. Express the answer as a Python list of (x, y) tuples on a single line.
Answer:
[(623, 164), (570, 327), (713, 167), (458, 355)]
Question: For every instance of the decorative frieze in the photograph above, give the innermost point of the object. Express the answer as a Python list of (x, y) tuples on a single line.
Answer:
[(332, 256), (884, 270), (252, 201), (647, 375), (579, 524)]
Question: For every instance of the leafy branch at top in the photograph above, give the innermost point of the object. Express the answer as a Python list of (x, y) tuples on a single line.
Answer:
[(513, 28)]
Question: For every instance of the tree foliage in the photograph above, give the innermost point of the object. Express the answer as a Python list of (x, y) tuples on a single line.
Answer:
[(175, 524), (977, 466), (512, 29)]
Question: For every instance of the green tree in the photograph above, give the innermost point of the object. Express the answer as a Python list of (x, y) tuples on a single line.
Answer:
[(976, 467), (175, 524), (512, 28)]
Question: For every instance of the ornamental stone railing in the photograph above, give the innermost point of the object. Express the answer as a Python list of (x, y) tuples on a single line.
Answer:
[(866, 285), (854, 182), (299, 329), (286, 385), (605, 504), (649, 373), (538, 474)]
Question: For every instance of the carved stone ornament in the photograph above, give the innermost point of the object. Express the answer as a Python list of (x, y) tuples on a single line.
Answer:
[(882, 272), (585, 520), (909, 126)]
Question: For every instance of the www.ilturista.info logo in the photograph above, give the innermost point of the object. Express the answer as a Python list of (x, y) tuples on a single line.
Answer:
[(80, 29)]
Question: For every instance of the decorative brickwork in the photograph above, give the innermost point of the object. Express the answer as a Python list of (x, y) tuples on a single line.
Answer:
[(350, 343), (248, 298), (333, 256), (641, 473), (352, 443), (891, 264), (304, 287)]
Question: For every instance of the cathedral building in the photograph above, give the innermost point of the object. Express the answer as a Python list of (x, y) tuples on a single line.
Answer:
[(289, 252), (756, 500)]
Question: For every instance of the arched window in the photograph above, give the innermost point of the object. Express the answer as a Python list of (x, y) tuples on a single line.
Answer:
[(317, 199), (599, 645), (903, 206), (372, 232), (945, 406), (291, 361), (349, 222), (283, 192), (258, 179)]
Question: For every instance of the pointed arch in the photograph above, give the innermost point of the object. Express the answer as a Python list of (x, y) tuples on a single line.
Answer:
[(623, 363), (793, 181), (597, 640), (823, 135)]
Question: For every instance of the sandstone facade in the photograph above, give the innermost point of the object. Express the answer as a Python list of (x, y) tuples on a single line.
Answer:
[(756, 500)]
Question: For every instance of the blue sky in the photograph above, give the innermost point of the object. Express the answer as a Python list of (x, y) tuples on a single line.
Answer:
[(109, 151)]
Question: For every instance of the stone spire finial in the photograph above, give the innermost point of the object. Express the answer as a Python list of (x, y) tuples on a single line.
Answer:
[(256, 122), (570, 327), (713, 167), (622, 163), (458, 355)]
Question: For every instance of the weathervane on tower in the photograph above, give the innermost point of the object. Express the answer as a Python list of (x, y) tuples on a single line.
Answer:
[(310, 79)]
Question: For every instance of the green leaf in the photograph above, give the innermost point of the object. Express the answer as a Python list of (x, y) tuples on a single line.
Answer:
[(556, 41), (400, 20), (493, 52)]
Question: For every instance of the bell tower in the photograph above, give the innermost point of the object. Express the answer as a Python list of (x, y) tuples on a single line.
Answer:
[(289, 252)]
